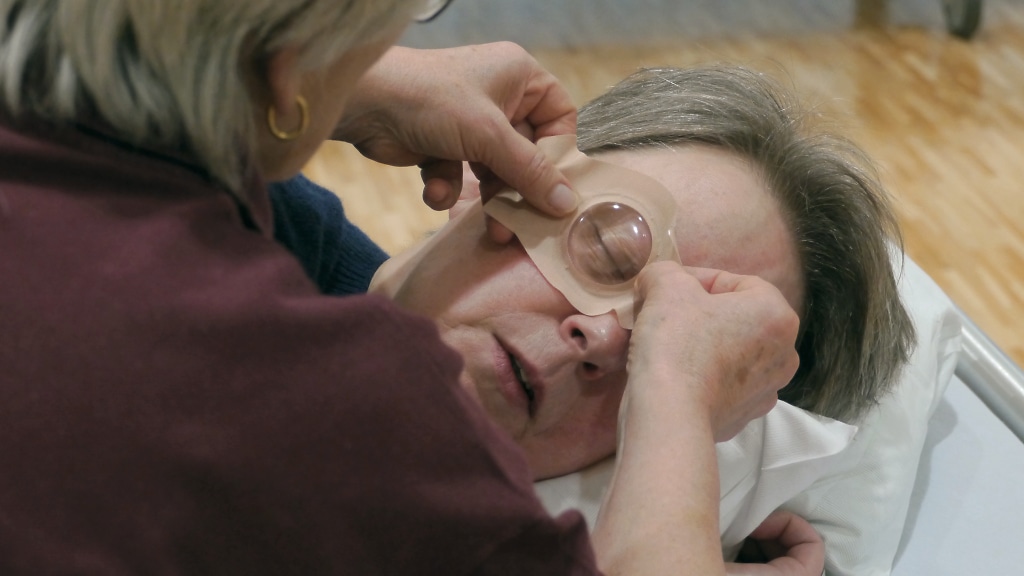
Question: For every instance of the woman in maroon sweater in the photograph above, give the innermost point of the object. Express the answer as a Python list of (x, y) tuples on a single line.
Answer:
[(176, 396)]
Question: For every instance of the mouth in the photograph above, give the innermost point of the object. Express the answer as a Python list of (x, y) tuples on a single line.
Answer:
[(519, 380), (524, 380)]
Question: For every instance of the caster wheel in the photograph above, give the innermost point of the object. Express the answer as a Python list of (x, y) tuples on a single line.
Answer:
[(962, 17)]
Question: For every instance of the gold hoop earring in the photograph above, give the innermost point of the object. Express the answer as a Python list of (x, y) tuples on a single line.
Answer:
[(303, 121)]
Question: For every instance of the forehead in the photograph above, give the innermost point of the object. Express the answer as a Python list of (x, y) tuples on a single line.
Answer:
[(727, 217)]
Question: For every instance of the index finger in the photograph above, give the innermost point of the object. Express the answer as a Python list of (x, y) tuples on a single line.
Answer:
[(547, 106), (722, 282)]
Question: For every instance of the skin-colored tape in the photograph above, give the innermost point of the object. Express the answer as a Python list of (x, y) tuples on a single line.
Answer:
[(544, 237)]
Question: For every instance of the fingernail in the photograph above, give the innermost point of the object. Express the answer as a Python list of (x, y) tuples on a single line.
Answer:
[(562, 199)]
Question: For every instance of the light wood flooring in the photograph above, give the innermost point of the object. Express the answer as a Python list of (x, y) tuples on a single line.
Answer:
[(943, 117)]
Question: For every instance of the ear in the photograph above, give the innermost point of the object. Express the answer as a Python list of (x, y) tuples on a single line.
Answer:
[(283, 81)]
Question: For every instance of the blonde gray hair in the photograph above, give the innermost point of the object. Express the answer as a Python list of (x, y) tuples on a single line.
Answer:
[(855, 332), (169, 74)]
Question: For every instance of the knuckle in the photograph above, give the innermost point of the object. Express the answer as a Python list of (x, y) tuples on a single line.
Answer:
[(511, 49), (792, 365), (790, 323)]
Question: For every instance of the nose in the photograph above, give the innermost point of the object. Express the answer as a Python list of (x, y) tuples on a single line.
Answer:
[(601, 342)]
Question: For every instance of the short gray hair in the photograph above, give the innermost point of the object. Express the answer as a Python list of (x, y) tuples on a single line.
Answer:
[(855, 333), (168, 74)]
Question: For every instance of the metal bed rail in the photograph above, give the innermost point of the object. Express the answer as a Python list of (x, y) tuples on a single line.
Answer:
[(995, 378)]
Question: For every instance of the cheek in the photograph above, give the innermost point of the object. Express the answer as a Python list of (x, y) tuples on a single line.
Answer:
[(583, 435), (602, 423), (507, 284)]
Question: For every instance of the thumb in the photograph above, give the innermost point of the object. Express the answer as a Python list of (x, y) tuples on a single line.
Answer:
[(664, 274), (525, 169)]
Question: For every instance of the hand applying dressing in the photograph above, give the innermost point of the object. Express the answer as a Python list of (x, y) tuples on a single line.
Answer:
[(487, 106)]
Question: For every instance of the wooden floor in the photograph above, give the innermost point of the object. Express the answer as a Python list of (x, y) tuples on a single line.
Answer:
[(943, 117)]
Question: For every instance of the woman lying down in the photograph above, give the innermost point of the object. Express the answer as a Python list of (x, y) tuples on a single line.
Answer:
[(710, 167)]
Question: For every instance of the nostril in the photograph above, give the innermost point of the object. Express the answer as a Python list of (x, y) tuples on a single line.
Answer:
[(589, 368), (580, 339)]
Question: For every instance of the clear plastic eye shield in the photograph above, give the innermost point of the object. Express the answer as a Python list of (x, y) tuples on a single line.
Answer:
[(624, 222)]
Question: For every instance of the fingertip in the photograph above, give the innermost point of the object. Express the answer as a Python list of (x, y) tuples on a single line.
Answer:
[(525, 168), (562, 199), (657, 269), (439, 194), (642, 284), (442, 183), (498, 232)]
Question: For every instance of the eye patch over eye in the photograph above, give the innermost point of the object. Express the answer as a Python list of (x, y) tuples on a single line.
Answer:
[(609, 243), (624, 222)]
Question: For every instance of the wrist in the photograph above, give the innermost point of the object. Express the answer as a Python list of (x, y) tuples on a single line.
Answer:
[(362, 112), (665, 487), (671, 395)]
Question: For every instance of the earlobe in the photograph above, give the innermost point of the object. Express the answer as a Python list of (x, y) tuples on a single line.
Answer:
[(284, 83), (281, 114), (284, 135)]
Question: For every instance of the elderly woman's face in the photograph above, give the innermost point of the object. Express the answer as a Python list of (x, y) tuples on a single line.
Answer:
[(550, 376)]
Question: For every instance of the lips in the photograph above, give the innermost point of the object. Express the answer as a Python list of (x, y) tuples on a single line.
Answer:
[(518, 380), (520, 373)]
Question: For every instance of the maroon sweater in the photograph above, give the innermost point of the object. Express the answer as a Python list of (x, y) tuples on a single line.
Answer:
[(176, 397)]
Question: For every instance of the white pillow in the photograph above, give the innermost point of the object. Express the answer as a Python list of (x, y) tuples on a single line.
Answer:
[(860, 509), (771, 460), (855, 490)]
